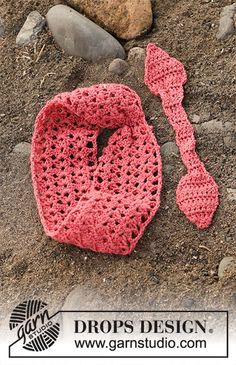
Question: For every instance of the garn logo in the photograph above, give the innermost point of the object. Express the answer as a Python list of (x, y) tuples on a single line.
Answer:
[(34, 325)]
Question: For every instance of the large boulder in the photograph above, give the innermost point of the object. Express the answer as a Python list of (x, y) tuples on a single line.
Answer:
[(124, 18), (80, 37)]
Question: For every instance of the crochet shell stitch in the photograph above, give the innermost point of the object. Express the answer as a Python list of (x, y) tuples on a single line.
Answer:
[(102, 204)]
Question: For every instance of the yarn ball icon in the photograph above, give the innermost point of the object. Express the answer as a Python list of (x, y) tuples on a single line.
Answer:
[(34, 326)]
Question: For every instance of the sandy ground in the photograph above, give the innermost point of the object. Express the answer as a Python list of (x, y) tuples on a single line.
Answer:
[(174, 264)]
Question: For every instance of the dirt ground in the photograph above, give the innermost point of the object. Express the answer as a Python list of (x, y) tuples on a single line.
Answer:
[(174, 264)]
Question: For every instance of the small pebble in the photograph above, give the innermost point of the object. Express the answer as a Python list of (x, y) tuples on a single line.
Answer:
[(212, 126), (226, 24), (169, 148), (136, 54), (231, 194), (32, 27), (188, 303), (225, 264), (118, 66), (24, 148)]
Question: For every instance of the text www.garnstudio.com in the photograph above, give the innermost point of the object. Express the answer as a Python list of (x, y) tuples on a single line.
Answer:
[(161, 343)]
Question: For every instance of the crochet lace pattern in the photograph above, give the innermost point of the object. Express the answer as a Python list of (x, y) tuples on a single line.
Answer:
[(102, 204), (197, 192)]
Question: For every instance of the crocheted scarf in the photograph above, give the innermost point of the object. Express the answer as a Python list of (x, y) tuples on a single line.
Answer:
[(104, 204)]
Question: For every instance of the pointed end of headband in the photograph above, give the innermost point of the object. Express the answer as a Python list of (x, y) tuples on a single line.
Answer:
[(162, 72), (197, 197)]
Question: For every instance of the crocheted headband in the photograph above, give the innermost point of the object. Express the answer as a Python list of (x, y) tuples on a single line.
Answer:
[(105, 203), (197, 192)]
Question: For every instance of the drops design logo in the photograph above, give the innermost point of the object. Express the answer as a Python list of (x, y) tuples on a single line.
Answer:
[(34, 326)]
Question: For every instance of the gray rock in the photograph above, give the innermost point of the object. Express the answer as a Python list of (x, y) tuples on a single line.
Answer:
[(226, 24), (229, 10), (2, 28), (225, 264), (188, 303), (168, 149), (24, 148), (136, 54), (80, 37), (231, 194), (230, 141), (213, 126), (31, 28), (118, 66), (196, 119)]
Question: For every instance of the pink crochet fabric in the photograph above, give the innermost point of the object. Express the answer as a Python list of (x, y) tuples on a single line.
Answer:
[(101, 204), (197, 192)]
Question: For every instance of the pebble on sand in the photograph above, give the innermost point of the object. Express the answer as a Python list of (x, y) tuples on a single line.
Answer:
[(23, 148), (136, 54), (118, 66), (226, 264), (124, 18), (168, 149), (226, 24), (80, 37), (32, 27)]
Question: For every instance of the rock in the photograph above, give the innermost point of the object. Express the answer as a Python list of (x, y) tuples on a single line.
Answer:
[(188, 303), (212, 126), (168, 149), (226, 24), (225, 264), (80, 37), (136, 58), (31, 28), (24, 148), (231, 194), (118, 66), (136, 54), (230, 141), (124, 18), (2, 28), (196, 119)]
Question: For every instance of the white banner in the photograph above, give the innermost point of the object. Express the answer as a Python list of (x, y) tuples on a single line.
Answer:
[(35, 333)]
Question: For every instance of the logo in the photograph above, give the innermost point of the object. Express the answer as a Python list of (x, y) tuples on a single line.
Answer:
[(34, 326)]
